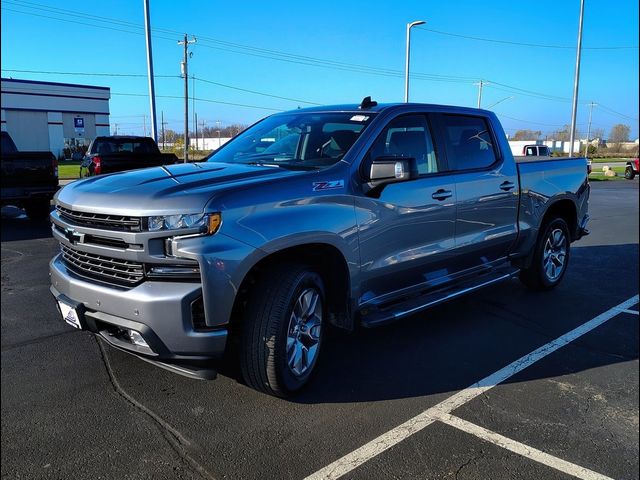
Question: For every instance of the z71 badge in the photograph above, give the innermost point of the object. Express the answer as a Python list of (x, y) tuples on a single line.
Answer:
[(330, 185)]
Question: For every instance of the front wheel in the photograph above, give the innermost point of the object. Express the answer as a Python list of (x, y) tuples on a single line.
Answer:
[(282, 330), (550, 258), (629, 174)]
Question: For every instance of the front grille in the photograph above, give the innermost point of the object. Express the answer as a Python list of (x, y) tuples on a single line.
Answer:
[(99, 267), (100, 220)]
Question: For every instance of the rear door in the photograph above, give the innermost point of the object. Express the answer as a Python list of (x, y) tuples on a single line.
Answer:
[(486, 188), (406, 232)]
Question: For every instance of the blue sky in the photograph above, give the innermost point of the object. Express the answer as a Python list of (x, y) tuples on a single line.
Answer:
[(243, 45)]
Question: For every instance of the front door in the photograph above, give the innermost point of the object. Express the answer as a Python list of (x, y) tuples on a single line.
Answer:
[(407, 233)]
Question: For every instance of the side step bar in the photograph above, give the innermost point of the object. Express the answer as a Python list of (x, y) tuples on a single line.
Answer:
[(427, 300)]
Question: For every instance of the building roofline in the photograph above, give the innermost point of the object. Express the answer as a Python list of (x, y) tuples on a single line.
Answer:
[(38, 82)]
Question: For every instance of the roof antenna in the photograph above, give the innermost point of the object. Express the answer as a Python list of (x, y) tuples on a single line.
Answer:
[(367, 103)]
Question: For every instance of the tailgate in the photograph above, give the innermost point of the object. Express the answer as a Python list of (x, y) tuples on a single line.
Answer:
[(121, 162)]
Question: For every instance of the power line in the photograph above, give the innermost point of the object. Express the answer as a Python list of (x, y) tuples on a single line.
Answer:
[(524, 44), (160, 76), (233, 47), (256, 92), (613, 112), (208, 100)]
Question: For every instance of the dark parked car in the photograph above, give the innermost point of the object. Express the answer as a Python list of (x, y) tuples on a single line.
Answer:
[(29, 179), (120, 153)]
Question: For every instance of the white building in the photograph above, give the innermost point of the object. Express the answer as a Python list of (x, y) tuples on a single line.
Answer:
[(208, 143), (60, 117), (517, 146)]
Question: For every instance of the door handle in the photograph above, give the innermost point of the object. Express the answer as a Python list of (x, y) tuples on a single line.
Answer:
[(506, 186), (441, 194)]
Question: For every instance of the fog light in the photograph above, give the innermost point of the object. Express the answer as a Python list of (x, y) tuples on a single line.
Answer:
[(136, 338)]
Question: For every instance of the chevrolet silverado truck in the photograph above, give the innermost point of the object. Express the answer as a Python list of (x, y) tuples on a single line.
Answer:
[(354, 215), (29, 179), (119, 153)]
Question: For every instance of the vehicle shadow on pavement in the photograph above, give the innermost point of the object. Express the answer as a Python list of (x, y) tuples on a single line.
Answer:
[(16, 226), (450, 347)]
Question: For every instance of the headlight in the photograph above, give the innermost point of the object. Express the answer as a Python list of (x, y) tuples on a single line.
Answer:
[(207, 223)]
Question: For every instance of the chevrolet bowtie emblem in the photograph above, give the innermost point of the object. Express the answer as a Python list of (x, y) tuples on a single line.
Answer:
[(73, 236)]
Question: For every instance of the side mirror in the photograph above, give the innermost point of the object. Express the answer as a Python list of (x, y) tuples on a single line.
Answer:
[(385, 170)]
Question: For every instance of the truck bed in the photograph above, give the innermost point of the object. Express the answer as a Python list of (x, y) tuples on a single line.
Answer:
[(543, 178)]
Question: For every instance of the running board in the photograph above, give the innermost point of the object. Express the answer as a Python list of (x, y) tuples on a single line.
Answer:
[(415, 305)]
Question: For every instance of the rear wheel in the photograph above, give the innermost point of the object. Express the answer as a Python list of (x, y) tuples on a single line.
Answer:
[(551, 257), (629, 174), (37, 209), (282, 330)]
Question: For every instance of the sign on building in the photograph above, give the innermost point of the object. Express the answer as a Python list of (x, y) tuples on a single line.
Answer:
[(78, 125)]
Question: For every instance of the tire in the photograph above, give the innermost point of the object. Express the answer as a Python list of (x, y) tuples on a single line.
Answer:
[(38, 209), (550, 258), (629, 174), (280, 342)]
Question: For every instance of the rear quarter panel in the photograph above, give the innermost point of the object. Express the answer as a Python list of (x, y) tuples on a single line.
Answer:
[(543, 182)]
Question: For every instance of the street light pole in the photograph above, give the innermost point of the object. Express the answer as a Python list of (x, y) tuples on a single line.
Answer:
[(406, 64), (152, 92), (576, 82)]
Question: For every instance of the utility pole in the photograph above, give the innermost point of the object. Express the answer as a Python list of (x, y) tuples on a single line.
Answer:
[(152, 92), (193, 107), (162, 121), (203, 126), (480, 84), (144, 125), (218, 125), (591, 105), (185, 74), (576, 82), (116, 125)]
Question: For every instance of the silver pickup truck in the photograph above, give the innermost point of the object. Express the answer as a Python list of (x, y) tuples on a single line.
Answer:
[(347, 215)]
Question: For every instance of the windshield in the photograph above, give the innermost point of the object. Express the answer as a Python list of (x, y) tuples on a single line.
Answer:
[(296, 140)]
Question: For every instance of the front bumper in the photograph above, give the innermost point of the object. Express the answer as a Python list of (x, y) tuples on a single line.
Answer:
[(159, 311)]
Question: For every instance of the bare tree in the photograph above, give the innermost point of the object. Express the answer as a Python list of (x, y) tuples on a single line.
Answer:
[(619, 133), (564, 134), (527, 134), (597, 133)]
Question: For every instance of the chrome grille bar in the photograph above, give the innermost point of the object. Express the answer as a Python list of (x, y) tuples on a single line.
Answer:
[(110, 222), (122, 272)]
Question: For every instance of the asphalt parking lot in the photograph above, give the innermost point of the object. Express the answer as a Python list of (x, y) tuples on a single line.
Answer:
[(503, 384)]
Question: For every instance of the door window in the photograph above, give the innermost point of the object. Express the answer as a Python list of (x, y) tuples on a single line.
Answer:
[(468, 142), (407, 136)]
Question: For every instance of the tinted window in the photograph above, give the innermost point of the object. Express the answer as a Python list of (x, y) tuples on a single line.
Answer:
[(297, 140), (531, 151), (124, 145), (407, 136), (468, 142)]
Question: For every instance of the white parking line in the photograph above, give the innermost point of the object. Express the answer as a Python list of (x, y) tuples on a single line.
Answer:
[(375, 447), (522, 449), (626, 310)]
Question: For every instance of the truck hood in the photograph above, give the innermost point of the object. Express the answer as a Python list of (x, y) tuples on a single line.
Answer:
[(181, 188)]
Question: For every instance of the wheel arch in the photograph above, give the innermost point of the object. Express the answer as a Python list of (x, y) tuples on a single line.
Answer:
[(324, 258)]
